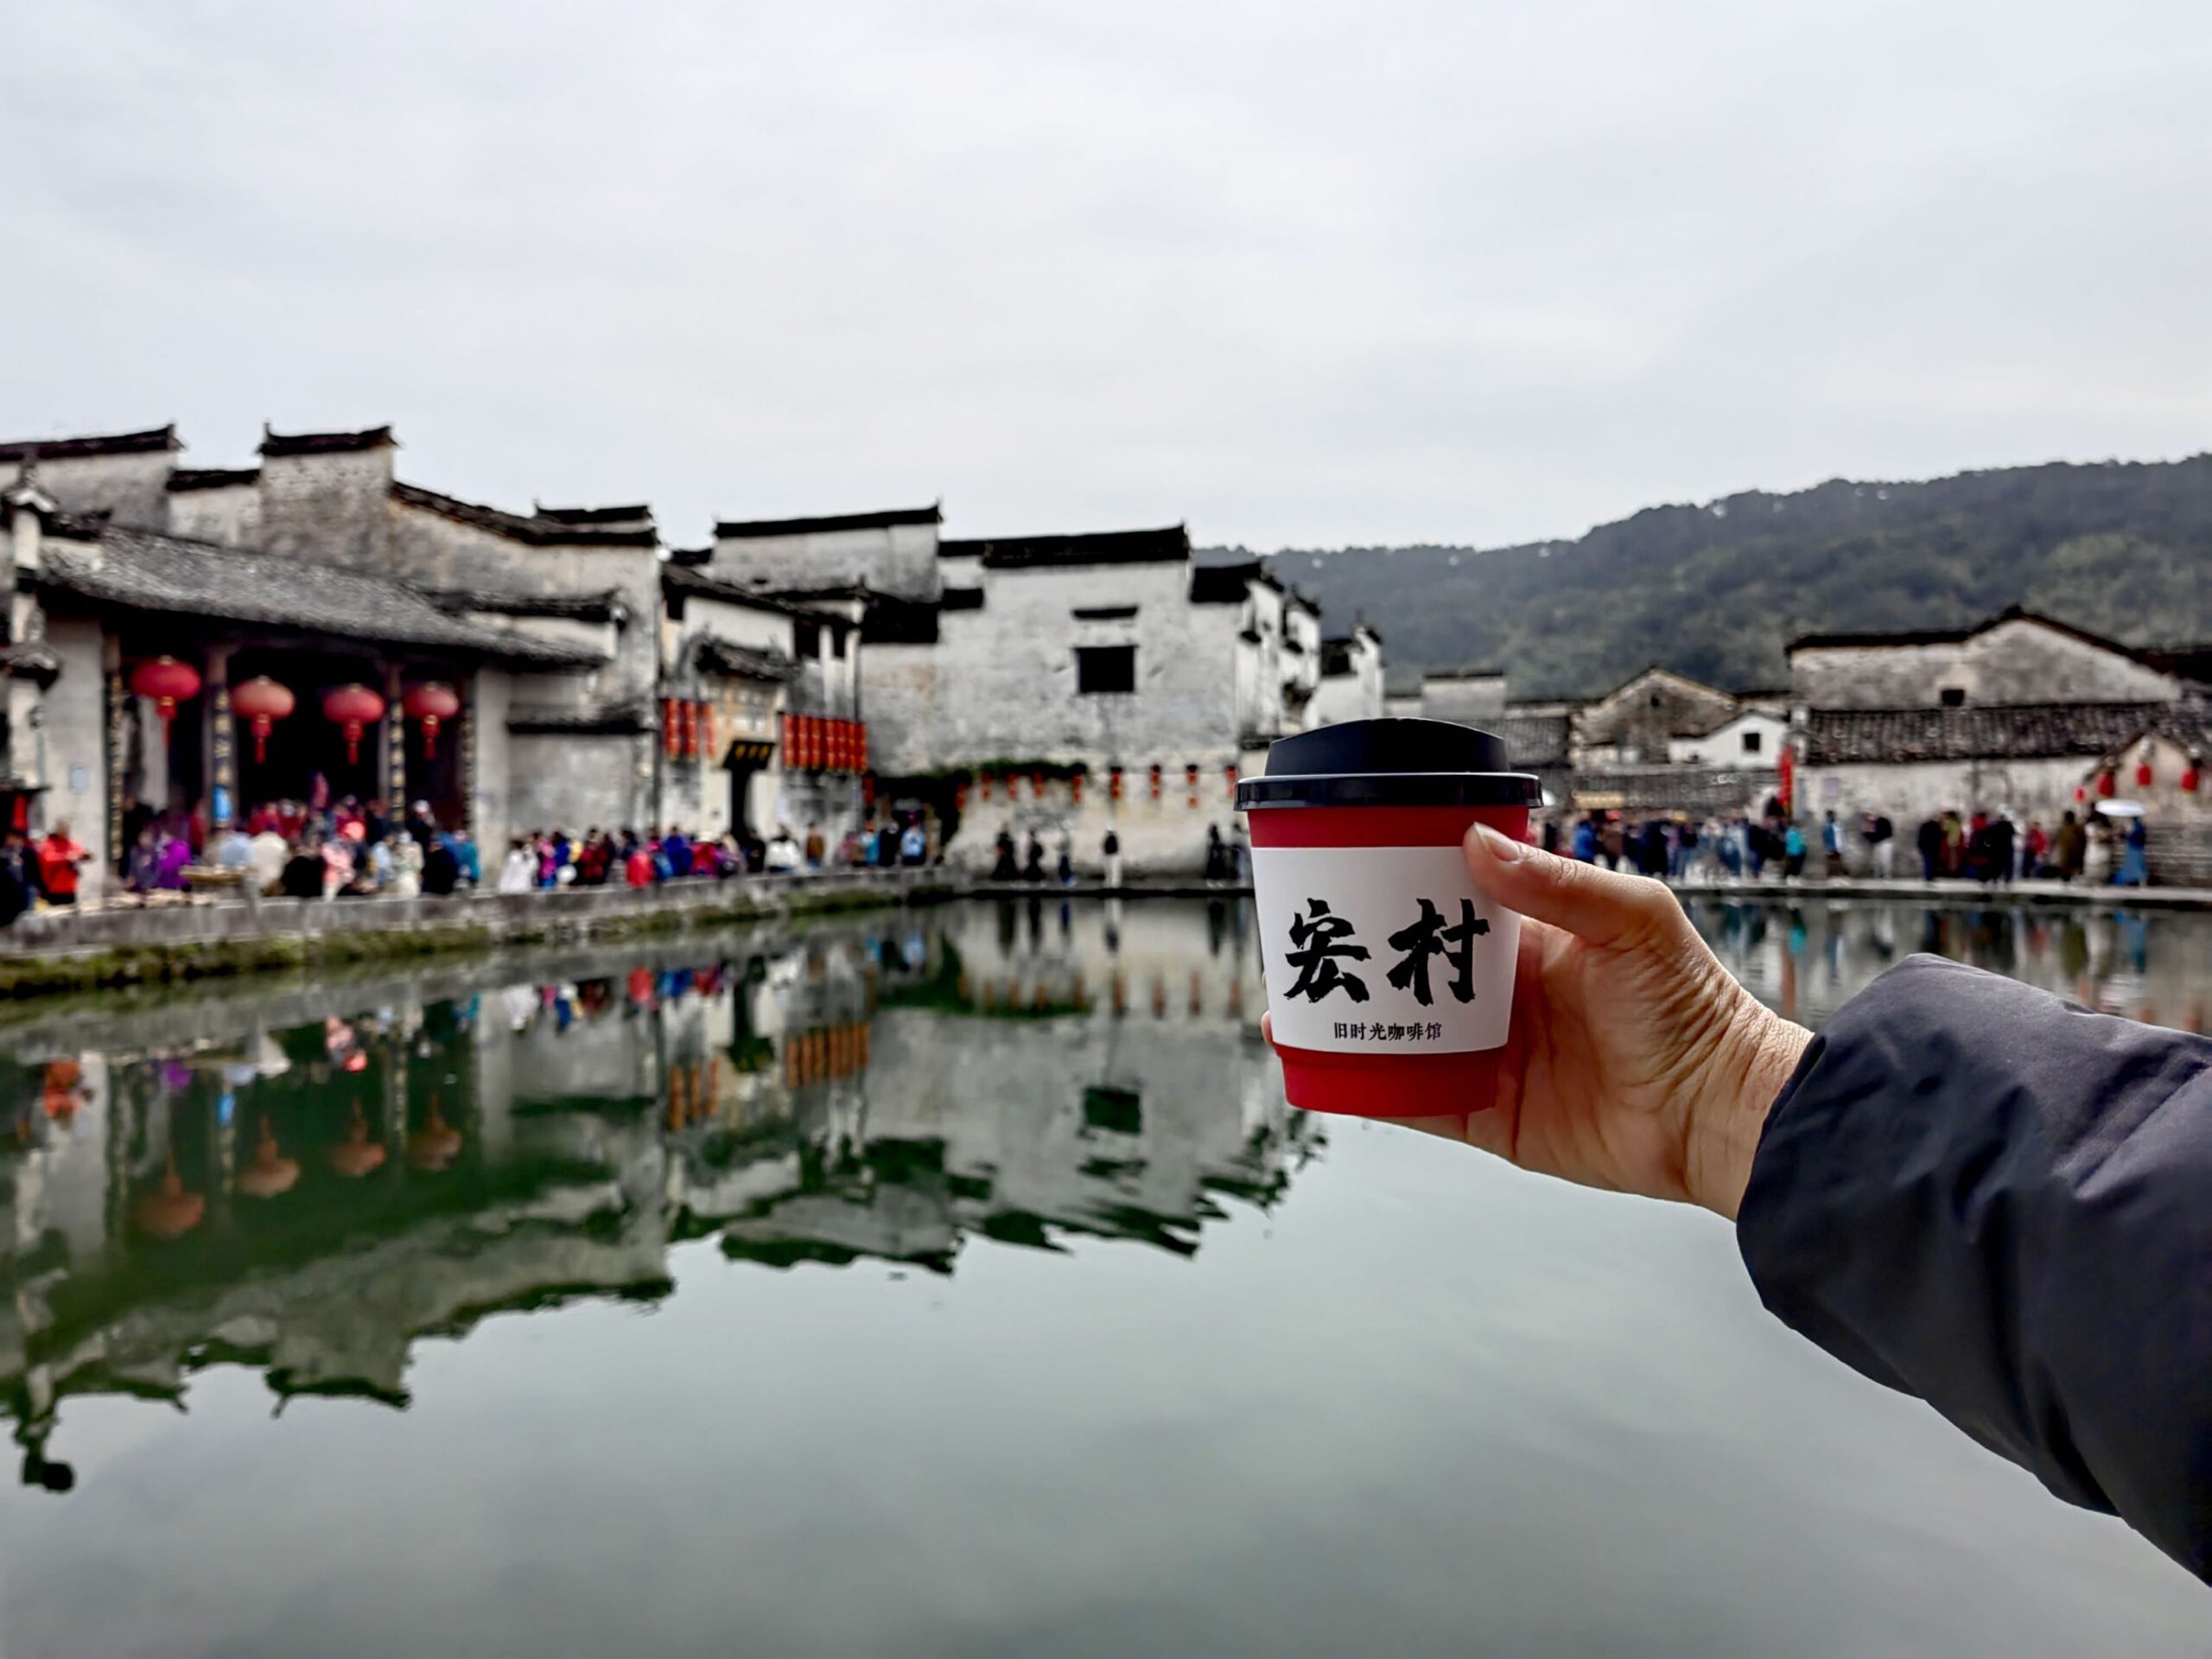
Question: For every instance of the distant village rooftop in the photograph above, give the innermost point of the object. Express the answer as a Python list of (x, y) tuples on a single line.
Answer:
[(534, 532), (152, 441), (626, 515), (1172, 545), (325, 443), (186, 479), (735, 530), (145, 570)]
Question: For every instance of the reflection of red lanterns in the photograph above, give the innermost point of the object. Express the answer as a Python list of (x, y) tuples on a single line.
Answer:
[(984, 782), (263, 702), (2107, 785), (352, 709), (1036, 785), (430, 706), (169, 683), (1113, 783)]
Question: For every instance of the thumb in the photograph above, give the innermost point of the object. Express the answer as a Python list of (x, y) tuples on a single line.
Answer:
[(1597, 906)]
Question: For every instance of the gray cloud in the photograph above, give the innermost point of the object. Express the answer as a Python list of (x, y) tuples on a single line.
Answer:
[(1468, 271)]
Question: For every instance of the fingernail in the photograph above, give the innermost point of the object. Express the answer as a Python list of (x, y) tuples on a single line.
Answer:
[(1503, 848)]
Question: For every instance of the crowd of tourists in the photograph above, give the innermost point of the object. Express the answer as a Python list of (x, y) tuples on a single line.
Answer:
[(354, 848), (1991, 848)]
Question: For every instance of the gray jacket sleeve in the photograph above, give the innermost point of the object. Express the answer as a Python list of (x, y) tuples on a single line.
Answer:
[(1988, 1197)]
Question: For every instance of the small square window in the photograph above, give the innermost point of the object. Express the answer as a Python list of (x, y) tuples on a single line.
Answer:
[(1753, 742), (1955, 696), (1105, 668)]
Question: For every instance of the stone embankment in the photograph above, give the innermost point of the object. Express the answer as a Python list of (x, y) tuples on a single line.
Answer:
[(64, 949)]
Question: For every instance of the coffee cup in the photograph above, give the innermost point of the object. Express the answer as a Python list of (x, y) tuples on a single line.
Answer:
[(1390, 975)]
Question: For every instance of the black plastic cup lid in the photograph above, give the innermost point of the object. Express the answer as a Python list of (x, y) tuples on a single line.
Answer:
[(1389, 763)]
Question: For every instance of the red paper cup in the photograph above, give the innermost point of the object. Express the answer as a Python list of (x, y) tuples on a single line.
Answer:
[(1389, 976)]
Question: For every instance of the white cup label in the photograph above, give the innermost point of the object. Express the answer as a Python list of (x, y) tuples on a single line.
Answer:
[(1382, 949)]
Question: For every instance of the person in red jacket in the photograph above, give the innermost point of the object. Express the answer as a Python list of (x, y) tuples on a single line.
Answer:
[(60, 859), (637, 868)]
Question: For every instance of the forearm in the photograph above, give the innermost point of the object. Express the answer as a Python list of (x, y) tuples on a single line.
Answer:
[(1974, 1194)]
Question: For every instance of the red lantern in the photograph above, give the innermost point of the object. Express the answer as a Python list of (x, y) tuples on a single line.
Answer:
[(985, 781), (790, 759), (1228, 773), (688, 727), (959, 797), (2079, 794), (1113, 783), (860, 743), (1036, 785), (2190, 781), (1155, 783), (431, 705), (1075, 788), (263, 702), (353, 707), (169, 683), (2143, 775), (672, 729), (2107, 785)]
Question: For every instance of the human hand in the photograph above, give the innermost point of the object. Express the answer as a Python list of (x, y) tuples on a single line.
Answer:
[(1635, 1061)]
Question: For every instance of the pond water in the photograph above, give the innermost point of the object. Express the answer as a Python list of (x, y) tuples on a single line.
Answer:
[(945, 1282)]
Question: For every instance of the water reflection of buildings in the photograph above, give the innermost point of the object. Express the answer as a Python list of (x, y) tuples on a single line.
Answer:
[(1807, 959), (262, 1182)]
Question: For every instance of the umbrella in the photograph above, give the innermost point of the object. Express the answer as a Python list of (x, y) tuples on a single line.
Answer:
[(2120, 809)]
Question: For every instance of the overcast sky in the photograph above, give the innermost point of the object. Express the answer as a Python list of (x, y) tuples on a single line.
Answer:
[(1450, 272)]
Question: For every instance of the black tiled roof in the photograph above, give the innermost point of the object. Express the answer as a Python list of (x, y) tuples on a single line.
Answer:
[(2189, 661), (532, 532), (1994, 732), (1223, 584), (144, 570), (620, 719), (605, 606), (640, 513), (211, 478), (1535, 740), (150, 442), (736, 662), (1106, 547), (735, 530), (681, 582), (324, 443)]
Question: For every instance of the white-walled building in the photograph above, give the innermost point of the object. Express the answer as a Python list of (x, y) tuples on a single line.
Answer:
[(582, 702), (2008, 715), (1351, 678)]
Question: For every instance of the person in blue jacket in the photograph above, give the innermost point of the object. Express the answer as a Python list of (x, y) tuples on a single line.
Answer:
[(1964, 1188)]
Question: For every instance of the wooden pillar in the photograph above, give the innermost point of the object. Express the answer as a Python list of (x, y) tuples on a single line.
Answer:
[(222, 741), (465, 735), (119, 746), (394, 741)]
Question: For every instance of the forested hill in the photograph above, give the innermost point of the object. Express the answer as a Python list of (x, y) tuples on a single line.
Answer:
[(1715, 591)]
